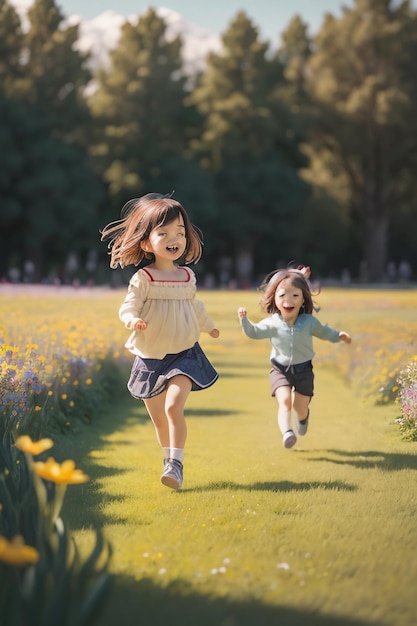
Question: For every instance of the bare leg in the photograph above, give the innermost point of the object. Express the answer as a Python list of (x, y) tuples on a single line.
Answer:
[(156, 409), (177, 393), (300, 405)]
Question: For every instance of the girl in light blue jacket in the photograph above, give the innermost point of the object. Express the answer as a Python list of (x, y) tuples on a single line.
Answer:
[(290, 327)]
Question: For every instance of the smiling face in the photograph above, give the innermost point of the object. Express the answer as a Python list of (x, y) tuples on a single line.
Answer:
[(289, 299), (168, 242)]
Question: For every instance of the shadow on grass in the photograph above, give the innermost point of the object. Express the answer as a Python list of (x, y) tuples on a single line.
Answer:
[(239, 365), (275, 486), (85, 509), (388, 462), (237, 370), (142, 602), (208, 413), (84, 503), (224, 373), (87, 503)]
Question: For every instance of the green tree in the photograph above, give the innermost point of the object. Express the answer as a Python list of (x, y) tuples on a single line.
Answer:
[(362, 80), (11, 47), (248, 149), (323, 226), (142, 143), (48, 196), (294, 53), (56, 72)]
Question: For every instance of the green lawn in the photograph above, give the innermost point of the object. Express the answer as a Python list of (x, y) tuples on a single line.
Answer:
[(323, 534)]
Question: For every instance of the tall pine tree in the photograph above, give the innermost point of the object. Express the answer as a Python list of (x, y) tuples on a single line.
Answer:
[(139, 106), (56, 72), (11, 49), (246, 148), (362, 79), (322, 230), (49, 195)]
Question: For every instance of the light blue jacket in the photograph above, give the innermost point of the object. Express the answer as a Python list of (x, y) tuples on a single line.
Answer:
[(290, 344)]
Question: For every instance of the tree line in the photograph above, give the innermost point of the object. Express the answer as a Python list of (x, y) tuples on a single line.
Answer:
[(305, 151)]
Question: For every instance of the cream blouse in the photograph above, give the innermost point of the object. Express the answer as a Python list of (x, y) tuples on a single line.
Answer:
[(174, 317)]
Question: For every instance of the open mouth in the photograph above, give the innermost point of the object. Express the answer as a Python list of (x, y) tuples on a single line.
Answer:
[(172, 248)]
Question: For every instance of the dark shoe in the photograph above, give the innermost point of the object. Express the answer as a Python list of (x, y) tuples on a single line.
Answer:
[(302, 425)]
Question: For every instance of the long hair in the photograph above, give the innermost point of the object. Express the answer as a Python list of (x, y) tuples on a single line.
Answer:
[(139, 217), (272, 282)]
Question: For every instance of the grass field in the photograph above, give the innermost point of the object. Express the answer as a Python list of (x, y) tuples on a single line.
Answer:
[(323, 534)]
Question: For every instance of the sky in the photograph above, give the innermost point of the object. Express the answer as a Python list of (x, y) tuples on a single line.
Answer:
[(270, 16)]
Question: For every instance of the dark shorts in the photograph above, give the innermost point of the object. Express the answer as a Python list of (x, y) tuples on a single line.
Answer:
[(150, 377), (299, 377)]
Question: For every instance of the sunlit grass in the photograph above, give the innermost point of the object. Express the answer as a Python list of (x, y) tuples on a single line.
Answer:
[(323, 534)]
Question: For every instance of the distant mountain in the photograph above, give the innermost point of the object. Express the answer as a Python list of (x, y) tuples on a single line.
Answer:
[(101, 34)]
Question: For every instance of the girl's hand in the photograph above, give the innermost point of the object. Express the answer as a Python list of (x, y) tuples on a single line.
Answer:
[(305, 270), (214, 333), (141, 325), (345, 337), (242, 312)]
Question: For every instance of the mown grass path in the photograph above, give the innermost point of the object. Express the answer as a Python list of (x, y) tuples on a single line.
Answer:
[(324, 534)]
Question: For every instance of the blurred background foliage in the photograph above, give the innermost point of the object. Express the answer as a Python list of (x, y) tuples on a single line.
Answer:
[(305, 151)]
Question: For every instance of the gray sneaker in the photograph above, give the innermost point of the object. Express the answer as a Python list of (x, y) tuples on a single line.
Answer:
[(289, 439), (302, 425), (172, 474)]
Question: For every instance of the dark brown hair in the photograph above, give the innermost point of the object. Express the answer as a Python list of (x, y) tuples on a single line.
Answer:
[(272, 282), (139, 217)]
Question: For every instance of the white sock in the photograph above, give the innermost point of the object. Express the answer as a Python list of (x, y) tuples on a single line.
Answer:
[(167, 452), (177, 453), (284, 420)]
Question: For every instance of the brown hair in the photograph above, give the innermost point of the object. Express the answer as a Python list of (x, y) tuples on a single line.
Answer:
[(138, 218), (272, 282)]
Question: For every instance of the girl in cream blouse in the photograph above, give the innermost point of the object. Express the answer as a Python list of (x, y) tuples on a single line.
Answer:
[(164, 317)]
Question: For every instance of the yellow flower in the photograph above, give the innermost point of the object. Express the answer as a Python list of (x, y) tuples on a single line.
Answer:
[(16, 552), (64, 474), (26, 444)]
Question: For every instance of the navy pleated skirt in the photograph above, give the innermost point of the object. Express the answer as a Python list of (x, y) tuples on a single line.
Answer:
[(150, 377)]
